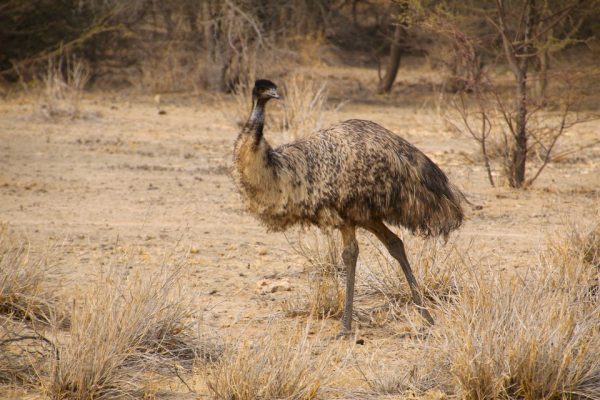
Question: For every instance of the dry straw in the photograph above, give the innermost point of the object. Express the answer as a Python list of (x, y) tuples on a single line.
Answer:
[(125, 330), (435, 264), (287, 363), (27, 306), (63, 84), (325, 293), (533, 336)]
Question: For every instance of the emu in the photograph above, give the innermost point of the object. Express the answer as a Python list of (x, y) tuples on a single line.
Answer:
[(355, 174)]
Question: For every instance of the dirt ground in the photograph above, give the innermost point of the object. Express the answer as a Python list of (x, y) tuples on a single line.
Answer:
[(123, 176)]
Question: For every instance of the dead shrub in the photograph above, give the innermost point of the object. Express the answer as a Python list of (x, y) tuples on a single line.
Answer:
[(25, 280), (529, 337), (63, 84), (124, 327), (324, 299), (325, 271), (23, 351), (434, 263), (277, 365)]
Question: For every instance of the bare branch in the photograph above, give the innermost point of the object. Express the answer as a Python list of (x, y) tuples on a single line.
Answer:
[(509, 50)]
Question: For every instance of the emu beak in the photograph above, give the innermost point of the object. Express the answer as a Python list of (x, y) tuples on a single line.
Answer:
[(273, 93)]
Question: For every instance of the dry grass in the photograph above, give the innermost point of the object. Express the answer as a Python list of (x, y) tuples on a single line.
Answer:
[(63, 84), (580, 244), (126, 329), (23, 351), (393, 371), (530, 337), (25, 280), (123, 328), (27, 304), (324, 298), (325, 293), (304, 106), (278, 365), (322, 251), (380, 279), (435, 264)]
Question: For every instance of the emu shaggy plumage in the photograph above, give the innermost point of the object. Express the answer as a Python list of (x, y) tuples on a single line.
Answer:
[(353, 174), (356, 171)]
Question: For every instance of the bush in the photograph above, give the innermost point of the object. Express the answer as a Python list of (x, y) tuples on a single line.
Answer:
[(530, 337), (25, 280), (123, 328), (278, 365)]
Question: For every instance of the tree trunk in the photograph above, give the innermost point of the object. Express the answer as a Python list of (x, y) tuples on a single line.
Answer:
[(209, 29), (385, 85), (518, 156), (542, 78)]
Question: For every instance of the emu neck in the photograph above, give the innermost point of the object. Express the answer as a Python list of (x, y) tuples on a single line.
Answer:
[(256, 122), (252, 154)]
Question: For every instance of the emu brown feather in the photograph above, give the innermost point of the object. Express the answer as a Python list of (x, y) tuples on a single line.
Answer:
[(351, 173)]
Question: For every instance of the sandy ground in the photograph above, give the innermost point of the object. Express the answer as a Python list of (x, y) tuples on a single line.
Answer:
[(123, 176)]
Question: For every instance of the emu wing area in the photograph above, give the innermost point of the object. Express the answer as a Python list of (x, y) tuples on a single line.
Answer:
[(358, 171)]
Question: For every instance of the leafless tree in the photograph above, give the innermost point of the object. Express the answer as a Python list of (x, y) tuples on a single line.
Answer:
[(516, 124)]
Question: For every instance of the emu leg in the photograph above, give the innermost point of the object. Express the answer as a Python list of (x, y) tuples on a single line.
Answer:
[(396, 248), (349, 255)]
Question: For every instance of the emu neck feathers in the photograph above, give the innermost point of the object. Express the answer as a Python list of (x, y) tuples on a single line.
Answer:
[(256, 173), (256, 122)]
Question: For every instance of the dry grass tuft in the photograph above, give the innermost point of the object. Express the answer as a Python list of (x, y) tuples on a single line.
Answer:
[(63, 84), (531, 337), (434, 263), (125, 326), (27, 304), (322, 251), (579, 244), (278, 365), (325, 295), (324, 299), (25, 279), (304, 106), (22, 352), (393, 373), (518, 340)]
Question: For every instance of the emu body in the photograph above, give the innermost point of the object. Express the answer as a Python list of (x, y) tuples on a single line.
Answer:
[(353, 174)]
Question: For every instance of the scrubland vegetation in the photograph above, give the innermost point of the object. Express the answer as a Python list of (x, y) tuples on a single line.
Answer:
[(128, 268), (534, 335)]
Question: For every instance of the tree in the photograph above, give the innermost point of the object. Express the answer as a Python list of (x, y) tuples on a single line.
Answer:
[(386, 83), (523, 31), (518, 51)]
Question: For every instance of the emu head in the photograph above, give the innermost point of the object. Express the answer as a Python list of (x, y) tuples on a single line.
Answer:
[(264, 90)]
